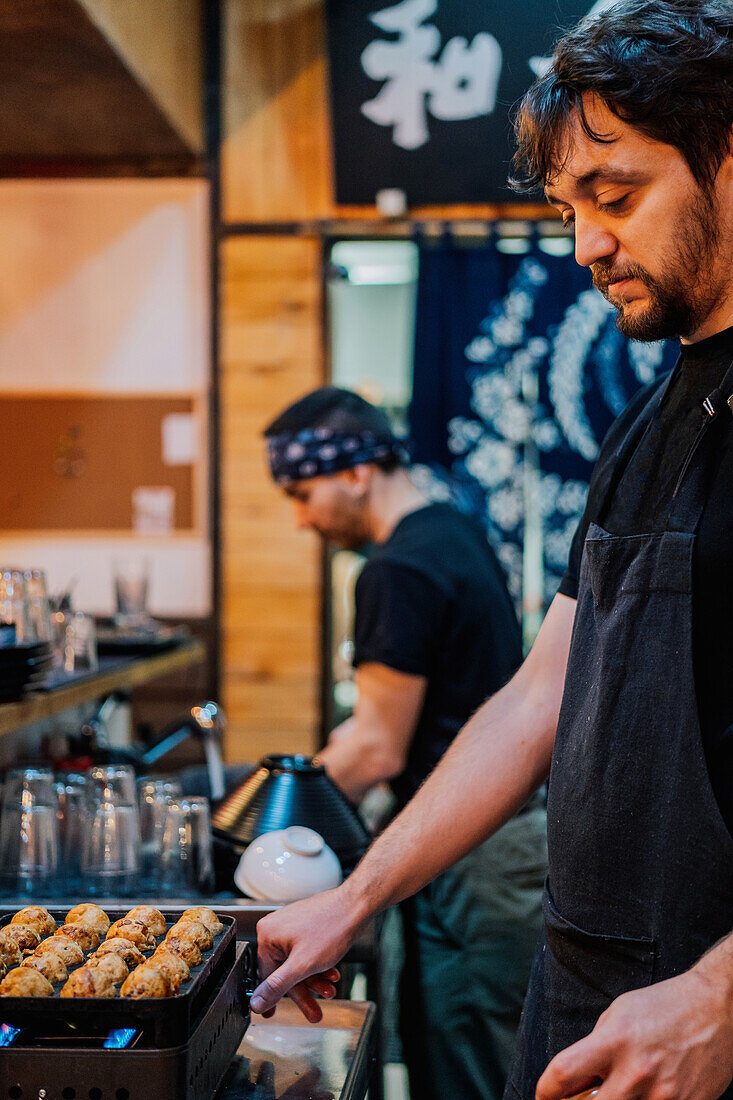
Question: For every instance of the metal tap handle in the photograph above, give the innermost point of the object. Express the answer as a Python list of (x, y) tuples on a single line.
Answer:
[(211, 722)]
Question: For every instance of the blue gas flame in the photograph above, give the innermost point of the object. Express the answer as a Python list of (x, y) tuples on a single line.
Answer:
[(120, 1038), (8, 1034)]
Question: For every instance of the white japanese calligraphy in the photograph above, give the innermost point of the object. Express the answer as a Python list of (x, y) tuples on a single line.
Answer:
[(461, 83)]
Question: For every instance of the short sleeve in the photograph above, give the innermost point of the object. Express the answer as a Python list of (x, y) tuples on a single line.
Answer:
[(399, 616)]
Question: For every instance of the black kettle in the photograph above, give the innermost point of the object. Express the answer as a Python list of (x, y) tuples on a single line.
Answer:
[(289, 790)]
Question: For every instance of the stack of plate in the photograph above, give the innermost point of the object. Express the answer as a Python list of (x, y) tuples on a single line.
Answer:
[(23, 667)]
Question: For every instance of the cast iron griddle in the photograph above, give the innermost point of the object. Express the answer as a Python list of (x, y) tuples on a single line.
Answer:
[(166, 1021)]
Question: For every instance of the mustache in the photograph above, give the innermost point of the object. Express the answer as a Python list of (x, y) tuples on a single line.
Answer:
[(604, 274)]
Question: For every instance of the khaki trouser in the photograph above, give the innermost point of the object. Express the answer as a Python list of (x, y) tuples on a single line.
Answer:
[(469, 940)]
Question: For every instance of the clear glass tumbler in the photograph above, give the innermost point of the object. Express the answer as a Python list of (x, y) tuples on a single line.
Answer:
[(131, 585), (29, 844), (110, 854), (186, 862), (14, 606), (39, 609), (34, 782), (73, 822), (153, 796), (80, 643), (113, 781)]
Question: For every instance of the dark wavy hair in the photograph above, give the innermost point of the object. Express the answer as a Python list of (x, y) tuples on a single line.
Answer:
[(664, 67)]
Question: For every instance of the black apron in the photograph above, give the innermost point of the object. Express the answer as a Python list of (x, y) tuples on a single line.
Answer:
[(641, 860)]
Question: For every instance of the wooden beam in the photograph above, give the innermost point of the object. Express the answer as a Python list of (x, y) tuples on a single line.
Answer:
[(160, 41), (66, 94)]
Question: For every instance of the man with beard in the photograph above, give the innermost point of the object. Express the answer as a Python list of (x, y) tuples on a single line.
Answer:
[(625, 699), (435, 634)]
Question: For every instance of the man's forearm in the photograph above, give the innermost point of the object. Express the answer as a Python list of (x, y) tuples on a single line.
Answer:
[(489, 772)]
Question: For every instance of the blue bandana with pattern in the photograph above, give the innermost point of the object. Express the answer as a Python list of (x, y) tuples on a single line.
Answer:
[(313, 452)]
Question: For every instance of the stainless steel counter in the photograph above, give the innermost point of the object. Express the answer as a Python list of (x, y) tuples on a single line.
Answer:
[(284, 1057)]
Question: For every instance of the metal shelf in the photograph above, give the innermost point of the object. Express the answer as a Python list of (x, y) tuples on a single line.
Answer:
[(126, 674)]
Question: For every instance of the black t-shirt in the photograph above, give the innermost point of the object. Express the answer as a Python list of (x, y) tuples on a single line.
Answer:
[(432, 601), (640, 505)]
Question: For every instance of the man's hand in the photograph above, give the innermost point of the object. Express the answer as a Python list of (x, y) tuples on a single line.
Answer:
[(671, 1041), (299, 947)]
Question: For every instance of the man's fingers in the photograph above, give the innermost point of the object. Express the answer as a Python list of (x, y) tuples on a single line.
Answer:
[(284, 980), (275, 986), (306, 1002), (321, 988), (574, 1070)]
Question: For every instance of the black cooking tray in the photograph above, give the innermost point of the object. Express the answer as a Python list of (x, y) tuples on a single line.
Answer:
[(191, 1071), (165, 1021)]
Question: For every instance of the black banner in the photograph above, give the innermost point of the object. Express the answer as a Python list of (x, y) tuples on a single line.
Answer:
[(422, 92)]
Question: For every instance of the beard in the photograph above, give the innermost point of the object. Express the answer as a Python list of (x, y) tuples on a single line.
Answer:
[(686, 292)]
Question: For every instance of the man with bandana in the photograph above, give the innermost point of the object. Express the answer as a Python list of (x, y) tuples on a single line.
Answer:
[(435, 634)]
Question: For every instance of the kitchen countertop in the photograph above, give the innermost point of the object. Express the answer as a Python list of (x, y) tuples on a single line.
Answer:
[(284, 1057)]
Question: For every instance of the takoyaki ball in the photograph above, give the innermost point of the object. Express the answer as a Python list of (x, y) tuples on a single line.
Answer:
[(89, 982), (51, 966), (113, 965), (207, 917), (10, 953), (187, 949), (152, 918), (135, 931), (36, 917), (126, 949), (82, 934), (63, 947), (195, 931), (91, 915), (147, 981), (25, 982), (24, 936), (173, 965)]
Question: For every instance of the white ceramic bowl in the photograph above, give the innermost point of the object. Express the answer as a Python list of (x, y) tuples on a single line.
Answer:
[(288, 865)]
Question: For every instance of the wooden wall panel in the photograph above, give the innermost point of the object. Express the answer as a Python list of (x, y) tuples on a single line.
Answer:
[(271, 354), (276, 153)]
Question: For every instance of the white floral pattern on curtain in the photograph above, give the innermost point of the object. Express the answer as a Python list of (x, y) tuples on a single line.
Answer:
[(547, 371)]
